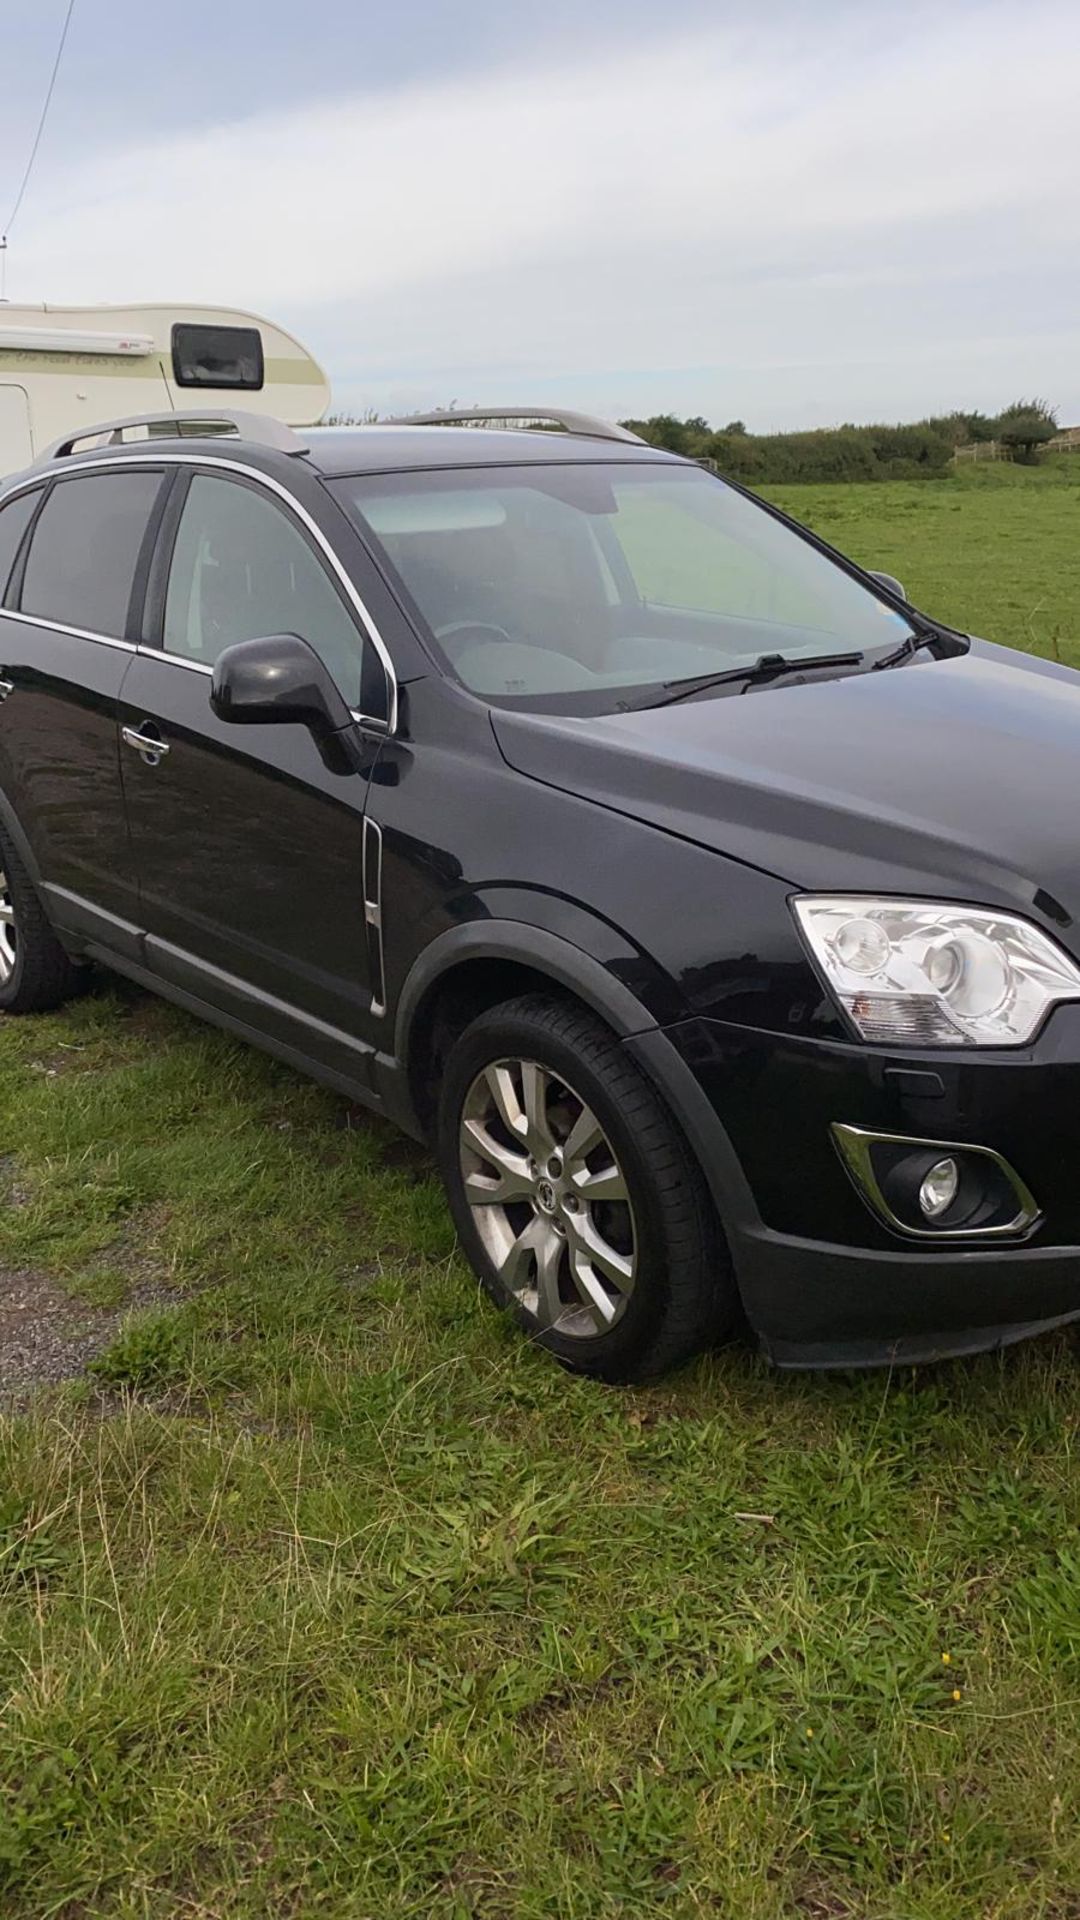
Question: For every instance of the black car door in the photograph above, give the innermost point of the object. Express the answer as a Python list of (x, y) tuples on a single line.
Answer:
[(250, 849), (73, 553)]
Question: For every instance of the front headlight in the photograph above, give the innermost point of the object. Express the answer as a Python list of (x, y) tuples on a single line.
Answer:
[(936, 976)]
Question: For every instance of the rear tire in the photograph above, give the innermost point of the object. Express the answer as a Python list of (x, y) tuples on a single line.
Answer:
[(35, 972), (575, 1195)]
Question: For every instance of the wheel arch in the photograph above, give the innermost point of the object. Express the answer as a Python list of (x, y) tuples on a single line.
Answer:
[(9, 820), (469, 968)]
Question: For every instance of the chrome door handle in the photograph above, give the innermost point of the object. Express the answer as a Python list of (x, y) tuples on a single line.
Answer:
[(149, 750), (6, 687)]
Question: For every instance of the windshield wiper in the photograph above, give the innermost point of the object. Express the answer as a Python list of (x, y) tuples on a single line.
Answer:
[(907, 648), (768, 666)]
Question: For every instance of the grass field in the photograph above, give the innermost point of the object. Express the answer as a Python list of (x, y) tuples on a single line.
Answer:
[(994, 549), (323, 1595)]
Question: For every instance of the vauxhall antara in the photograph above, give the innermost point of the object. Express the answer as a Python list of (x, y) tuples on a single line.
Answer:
[(710, 910)]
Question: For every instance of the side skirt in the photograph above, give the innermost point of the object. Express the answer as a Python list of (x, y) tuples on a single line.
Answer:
[(351, 1084)]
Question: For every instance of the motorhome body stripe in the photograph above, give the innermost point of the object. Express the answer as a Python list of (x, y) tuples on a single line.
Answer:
[(279, 372)]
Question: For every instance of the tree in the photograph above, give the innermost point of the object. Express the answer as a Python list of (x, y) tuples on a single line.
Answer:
[(963, 429), (1025, 427), (734, 426), (688, 437)]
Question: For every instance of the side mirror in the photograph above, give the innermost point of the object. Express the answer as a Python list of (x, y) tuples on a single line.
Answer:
[(889, 581), (257, 682), (282, 679)]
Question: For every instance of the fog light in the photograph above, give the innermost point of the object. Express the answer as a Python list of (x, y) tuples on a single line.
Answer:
[(939, 1189), (936, 1189)]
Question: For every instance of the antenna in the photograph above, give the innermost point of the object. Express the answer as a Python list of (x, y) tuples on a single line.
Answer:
[(10, 221)]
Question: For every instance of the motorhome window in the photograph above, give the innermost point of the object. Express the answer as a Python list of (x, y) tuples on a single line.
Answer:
[(217, 357), (14, 520), (84, 549)]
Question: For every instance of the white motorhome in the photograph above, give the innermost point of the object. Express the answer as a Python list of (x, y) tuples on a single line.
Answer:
[(65, 367)]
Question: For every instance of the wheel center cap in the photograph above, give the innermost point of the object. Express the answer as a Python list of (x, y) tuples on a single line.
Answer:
[(545, 1196)]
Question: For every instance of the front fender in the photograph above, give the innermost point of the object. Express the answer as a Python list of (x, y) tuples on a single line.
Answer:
[(10, 823), (569, 967), (516, 940)]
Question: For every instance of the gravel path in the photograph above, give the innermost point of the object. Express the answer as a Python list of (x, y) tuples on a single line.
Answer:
[(46, 1336)]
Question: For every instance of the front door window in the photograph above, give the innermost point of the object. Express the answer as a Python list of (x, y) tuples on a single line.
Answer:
[(241, 570)]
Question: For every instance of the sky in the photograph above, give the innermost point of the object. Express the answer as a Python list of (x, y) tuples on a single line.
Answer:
[(793, 212)]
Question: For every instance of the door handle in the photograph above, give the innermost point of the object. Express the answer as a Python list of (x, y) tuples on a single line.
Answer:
[(150, 750), (6, 687)]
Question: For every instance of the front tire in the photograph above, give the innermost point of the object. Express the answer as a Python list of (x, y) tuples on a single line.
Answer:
[(575, 1196), (35, 972)]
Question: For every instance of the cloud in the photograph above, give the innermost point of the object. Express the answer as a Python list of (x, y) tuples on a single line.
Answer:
[(806, 197)]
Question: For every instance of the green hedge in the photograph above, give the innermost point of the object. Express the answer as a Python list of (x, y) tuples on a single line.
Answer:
[(838, 453)]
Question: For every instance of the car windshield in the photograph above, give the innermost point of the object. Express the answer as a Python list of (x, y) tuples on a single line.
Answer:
[(571, 588)]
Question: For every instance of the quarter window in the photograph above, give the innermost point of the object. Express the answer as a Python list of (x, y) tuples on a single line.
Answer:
[(14, 520), (85, 547), (242, 570)]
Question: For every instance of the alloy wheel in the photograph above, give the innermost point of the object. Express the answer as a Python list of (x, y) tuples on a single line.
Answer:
[(7, 930), (549, 1198)]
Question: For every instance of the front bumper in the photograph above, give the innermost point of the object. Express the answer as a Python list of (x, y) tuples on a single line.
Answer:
[(824, 1281), (818, 1305)]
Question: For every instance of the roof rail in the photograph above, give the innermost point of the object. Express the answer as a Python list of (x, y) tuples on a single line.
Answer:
[(583, 423), (262, 428)]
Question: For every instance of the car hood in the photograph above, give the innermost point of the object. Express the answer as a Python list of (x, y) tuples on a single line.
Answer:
[(957, 778)]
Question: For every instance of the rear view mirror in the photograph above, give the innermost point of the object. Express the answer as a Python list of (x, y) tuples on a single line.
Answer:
[(889, 582), (281, 680)]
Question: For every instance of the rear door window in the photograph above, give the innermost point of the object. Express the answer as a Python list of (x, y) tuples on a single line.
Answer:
[(85, 547), (14, 520)]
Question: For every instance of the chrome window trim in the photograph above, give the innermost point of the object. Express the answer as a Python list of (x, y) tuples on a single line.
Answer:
[(58, 626), (169, 459), (174, 660), (168, 659)]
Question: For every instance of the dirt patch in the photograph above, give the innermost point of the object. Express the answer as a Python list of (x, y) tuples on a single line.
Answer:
[(13, 1191), (409, 1155), (47, 1337), (135, 1253), (819, 1902), (63, 1060)]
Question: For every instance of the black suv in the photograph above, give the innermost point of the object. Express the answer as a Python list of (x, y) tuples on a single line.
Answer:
[(712, 911)]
